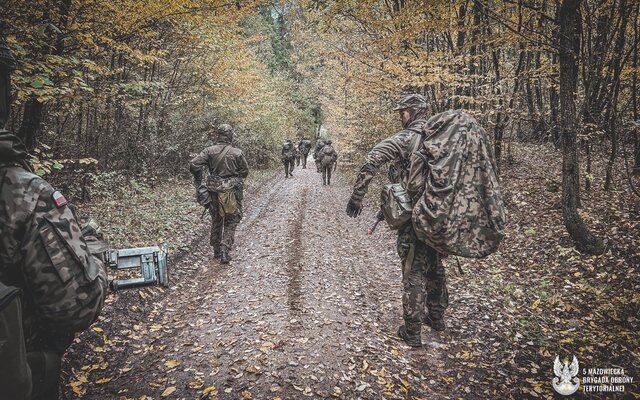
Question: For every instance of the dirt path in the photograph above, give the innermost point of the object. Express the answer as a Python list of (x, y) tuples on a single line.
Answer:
[(308, 307)]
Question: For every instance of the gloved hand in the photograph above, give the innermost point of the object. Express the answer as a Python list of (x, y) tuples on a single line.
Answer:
[(354, 207)]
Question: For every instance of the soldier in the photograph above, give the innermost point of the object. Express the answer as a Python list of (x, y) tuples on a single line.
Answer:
[(296, 151), (328, 160), (319, 145), (227, 168), (304, 146), (288, 156), (45, 251), (422, 267)]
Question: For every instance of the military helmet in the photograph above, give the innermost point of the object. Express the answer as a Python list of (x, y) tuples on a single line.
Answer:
[(412, 100), (329, 142), (225, 130)]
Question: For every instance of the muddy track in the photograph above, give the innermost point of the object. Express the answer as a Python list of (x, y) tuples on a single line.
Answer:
[(307, 308)]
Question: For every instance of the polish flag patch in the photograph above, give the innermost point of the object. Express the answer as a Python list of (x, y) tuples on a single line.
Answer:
[(58, 199)]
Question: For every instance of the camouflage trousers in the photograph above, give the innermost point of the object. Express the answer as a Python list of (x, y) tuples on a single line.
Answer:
[(223, 230), (303, 158), (288, 167), (326, 174), (423, 277)]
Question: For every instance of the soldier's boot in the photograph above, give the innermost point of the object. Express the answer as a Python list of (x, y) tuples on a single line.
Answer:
[(216, 253), (435, 322), (411, 335), (225, 258)]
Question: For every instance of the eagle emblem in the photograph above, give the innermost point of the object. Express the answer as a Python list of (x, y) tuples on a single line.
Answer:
[(563, 383)]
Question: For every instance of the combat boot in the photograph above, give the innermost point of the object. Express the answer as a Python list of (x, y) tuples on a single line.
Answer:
[(225, 257), (216, 253), (410, 336), (437, 324)]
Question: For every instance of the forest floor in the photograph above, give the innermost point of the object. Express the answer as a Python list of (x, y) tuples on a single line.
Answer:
[(310, 304)]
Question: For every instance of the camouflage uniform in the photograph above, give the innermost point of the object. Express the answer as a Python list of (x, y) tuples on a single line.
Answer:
[(44, 252), (319, 145), (232, 169), (328, 158), (296, 152), (425, 295), (288, 158), (304, 146)]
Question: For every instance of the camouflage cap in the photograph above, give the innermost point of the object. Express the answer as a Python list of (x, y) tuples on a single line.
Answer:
[(329, 142), (413, 100)]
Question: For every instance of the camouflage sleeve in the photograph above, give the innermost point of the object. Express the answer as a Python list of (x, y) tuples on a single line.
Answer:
[(243, 167), (67, 284), (196, 166), (388, 150)]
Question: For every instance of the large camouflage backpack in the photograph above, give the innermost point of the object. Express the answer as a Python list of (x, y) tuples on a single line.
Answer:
[(459, 208), (287, 151)]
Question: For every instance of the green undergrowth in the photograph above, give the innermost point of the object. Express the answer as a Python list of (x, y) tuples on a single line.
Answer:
[(138, 213)]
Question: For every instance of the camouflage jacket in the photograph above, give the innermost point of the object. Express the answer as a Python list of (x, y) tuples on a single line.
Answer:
[(304, 145), (234, 165), (288, 151), (44, 253), (395, 150), (328, 155), (319, 145)]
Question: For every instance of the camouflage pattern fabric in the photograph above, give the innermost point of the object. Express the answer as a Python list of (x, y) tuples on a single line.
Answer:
[(394, 150), (43, 252), (424, 280), (226, 175), (327, 158), (305, 146), (459, 208)]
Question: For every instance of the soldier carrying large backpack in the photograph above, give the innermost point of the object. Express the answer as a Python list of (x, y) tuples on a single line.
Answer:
[(51, 283), (288, 157), (421, 264), (304, 146), (328, 158)]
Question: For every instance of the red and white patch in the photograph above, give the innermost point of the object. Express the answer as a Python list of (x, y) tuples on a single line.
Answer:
[(58, 199)]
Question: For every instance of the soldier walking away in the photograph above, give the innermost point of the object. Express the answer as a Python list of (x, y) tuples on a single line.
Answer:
[(288, 157), (304, 146), (296, 151), (51, 283), (328, 161), (319, 145), (425, 295), (223, 192)]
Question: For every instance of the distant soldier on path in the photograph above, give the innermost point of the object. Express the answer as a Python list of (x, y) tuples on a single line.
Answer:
[(304, 146), (319, 145), (223, 192), (425, 296), (288, 157), (328, 161)]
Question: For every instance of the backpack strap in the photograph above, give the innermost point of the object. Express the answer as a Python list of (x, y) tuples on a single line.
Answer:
[(220, 157)]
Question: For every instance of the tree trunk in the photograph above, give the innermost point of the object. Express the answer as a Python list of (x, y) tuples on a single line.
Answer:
[(569, 39), (618, 64)]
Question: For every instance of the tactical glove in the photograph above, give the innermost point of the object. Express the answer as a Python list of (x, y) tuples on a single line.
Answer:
[(354, 207)]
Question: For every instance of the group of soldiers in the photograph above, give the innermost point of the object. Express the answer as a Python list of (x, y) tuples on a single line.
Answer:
[(51, 269), (324, 154)]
